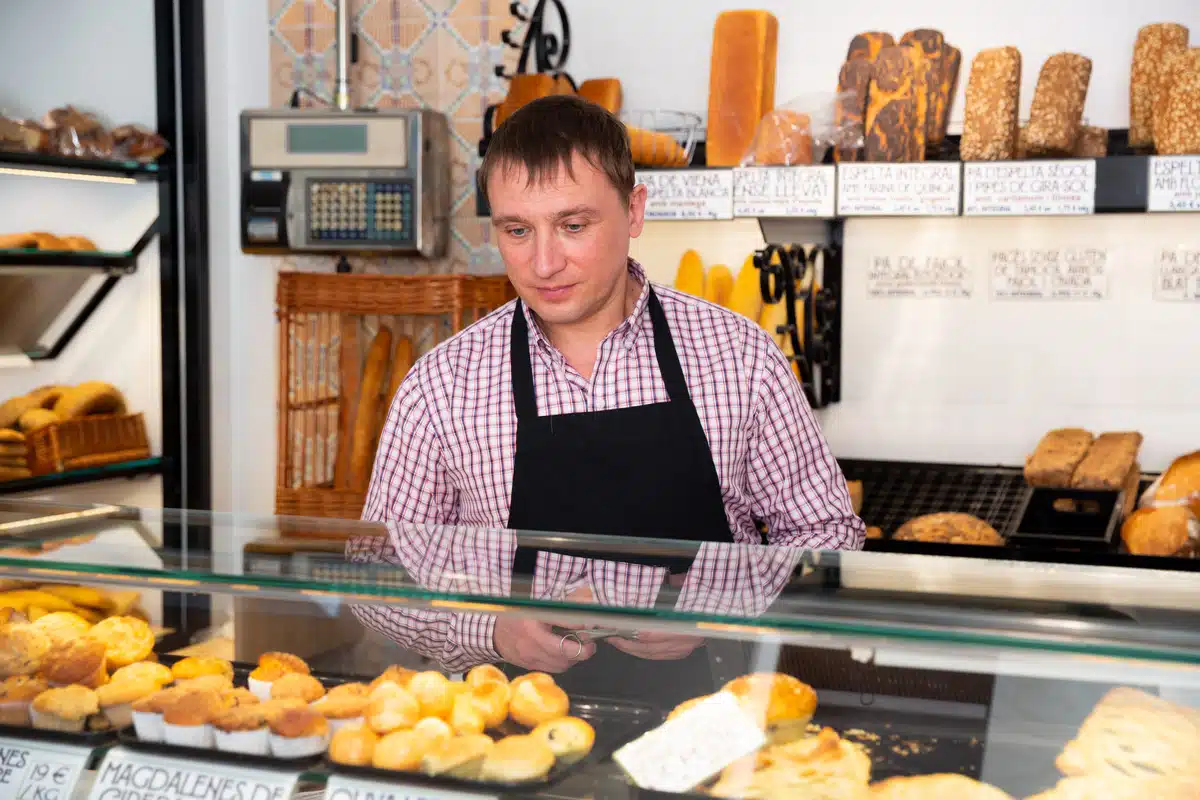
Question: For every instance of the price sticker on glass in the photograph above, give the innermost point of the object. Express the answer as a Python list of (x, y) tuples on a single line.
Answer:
[(40, 770)]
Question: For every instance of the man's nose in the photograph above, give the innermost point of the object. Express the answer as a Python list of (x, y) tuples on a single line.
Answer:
[(549, 258)]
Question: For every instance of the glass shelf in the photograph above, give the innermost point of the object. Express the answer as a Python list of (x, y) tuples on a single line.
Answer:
[(71, 168), (111, 262), (127, 469)]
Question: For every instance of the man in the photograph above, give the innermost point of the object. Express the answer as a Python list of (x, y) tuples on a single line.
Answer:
[(596, 403)]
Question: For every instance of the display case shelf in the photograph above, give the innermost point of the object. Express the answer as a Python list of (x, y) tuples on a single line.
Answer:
[(78, 169), (128, 469)]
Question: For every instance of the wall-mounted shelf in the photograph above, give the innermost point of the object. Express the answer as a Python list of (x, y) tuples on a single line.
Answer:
[(77, 169), (128, 469)]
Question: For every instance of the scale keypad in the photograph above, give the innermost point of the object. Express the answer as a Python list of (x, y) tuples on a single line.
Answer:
[(369, 212)]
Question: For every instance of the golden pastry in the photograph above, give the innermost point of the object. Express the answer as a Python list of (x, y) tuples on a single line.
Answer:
[(517, 759), (154, 671), (241, 719), (466, 719), (297, 684), (1163, 531), (434, 729), (392, 711), (935, 787), (345, 690), (570, 738), (82, 661), (353, 745), (22, 649), (485, 673), (341, 707), (62, 626), (16, 695), (216, 683), (395, 674), (949, 528), (239, 696), (401, 750), (128, 639), (116, 699), (537, 700), (64, 709), (461, 757), (780, 703), (434, 692), (297, 723)]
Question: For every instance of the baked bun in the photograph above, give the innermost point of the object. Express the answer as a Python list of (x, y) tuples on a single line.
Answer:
[(348, 690), (391, 711), (22, 649), (466, 719), (569, 738), (284, 662), (434, 729), (461, 757), (780, 703), (88, 398), (35, 419), (1180, 484), (63, 627), (239, 697), (1162, 531), (401, 750), (128, 639), (353, 745), (81, 661), (949, 528), (936, 787), (485, 673), (517, 759), (297, 684), (434, 692), (1112, 787), (216, 683), (394, 674), (536, 700), (160, 674), (195, 666)]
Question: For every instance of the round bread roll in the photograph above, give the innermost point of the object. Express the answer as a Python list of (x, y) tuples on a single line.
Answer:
[(401, 750), (434, 729), (949, 528), (537, 700), (517, 759), (392, 711), (466, 719), (569, 738), (18, 241), (128, 639), (46, 397), (62, 627), (461, 757), (434, 692), (48, 241), (158, 673), (13, 409), (353, 745), (780, 703), (394, 674), (283, 662), (1162, 531), (485, 673)]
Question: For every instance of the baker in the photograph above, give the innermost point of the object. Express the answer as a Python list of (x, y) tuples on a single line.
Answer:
[(598, 403)]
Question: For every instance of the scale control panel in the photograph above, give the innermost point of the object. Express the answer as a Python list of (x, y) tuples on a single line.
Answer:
[(364, 211)]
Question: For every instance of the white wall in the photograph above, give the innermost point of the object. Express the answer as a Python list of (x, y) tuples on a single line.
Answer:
[(102, 60), (660, 50)]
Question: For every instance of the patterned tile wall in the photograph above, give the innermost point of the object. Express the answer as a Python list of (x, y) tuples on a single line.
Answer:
[(412, 53)]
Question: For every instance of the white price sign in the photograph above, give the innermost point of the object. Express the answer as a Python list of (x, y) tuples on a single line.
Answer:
[(784, 191), (1049, 274), (919, 277), (130, 775), (40, 770), (1029, 188), (1174, 183), (682, 194), (342, 787), (899, 190), (1177, 277)]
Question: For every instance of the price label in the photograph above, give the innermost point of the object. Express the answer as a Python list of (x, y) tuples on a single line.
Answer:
[(40, 770), (1029, 188), (341, 787), (130, 775), (1174, 183), (691, 748), (784, 191), (685, 194), (1177, 275), (899, 190), (1050, 274), (919, 277)]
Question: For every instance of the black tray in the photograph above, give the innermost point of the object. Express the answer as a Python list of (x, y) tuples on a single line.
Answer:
[(91, 739), (616, 723), (1073, 519)]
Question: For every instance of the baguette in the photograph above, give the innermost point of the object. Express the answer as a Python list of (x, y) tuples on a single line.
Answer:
[(362, 454), (1108, 461), (654, 149), (1154, 44), (349, 367), (1053, 463)]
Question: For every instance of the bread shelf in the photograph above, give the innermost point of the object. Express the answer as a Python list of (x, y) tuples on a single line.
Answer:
[(109, 262), (128, 469), (79, 169)]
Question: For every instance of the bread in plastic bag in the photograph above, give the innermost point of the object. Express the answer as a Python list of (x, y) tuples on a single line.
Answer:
[(138, 143), (799, 132), (21, 135), (72, 132)]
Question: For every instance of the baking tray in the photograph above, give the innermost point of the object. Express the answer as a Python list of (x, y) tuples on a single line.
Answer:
[(1072, 519), (91, 739), (616, 723)]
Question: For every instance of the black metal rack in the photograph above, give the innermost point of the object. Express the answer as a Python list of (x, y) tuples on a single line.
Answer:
[(43, 165)]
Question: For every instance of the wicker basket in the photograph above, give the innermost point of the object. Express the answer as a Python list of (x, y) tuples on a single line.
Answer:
[(326, 322), (88, 442)]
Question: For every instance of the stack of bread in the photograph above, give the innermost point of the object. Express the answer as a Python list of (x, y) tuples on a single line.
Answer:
[(1168, 521), (1072, 458), (25, 414), (14, 455)]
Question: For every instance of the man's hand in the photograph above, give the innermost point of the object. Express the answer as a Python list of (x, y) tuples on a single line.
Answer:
[(533, 645), (658, 646)]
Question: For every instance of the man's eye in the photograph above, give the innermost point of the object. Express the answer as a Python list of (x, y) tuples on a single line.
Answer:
[(575, 227), (517, 232)]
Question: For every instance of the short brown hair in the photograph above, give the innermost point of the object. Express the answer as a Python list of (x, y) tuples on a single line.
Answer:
[(543, 135)]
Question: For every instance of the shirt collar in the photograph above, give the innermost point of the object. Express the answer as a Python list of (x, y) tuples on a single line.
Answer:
[(626, 333)]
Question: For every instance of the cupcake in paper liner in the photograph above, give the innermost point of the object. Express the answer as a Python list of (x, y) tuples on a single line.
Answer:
[(147, 714), (116, 699), (344, 705), (187, 720), (271, 667), (298, 733), (63, 709), (242, 729), (16, 696)]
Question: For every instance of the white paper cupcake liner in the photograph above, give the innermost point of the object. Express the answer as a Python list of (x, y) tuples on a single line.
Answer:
[(261, 689), (148, 726), (188, 735), (119, 716), (49, 722), (255, 743), (14, 712), (297, 747)]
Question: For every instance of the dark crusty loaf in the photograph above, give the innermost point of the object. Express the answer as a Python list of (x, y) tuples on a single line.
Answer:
[(1154, 44), (1108, 461), (949, 528), (1180, 134), (1057, 455), (1057, 111), (922, 78), (869, 45), (944, 97), (1091, 143), (891, 106), (933, 46), (991, 115), (854, 81)]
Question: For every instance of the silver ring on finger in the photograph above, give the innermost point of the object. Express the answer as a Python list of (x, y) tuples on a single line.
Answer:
[(562, 646)]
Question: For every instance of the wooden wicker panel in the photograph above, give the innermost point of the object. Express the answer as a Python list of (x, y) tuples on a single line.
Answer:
[(88, 442), (326, 323)]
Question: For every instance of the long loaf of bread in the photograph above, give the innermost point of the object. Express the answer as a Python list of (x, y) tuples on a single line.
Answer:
[(991, 123), (1170, 73), (1057, 111), (349, 374), (1092, 142), (933, 46), (891, 106), (869, 45), (741, 82), (854, 82), (951, 66), (1180, 135), (362, 454), (922, 69), (1154, 44)]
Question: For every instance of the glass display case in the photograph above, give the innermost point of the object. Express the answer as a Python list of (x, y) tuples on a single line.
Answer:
[(668, 667)]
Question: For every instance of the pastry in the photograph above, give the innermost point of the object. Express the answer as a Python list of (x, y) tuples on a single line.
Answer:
[(434, 692), (460, 757), (63, 709), (284, 662), (536, 700), (17, 241), (491, 700), (1110, 787), (195, 666), (116, 699), (273, 708), (82, 661), (349, 690), (216, 683), (362, 442), (1057, 110), (433, 728), (1154, 43), (128, 639), (11, 411), (401, 750), (16, 694), (242, 729), (821, 766), (1133, 734), (160, 674), (949, 528), (187, 718), (392, 711), (604, 92), (874, 532), (353, 745), (296, 684), (298, 733), (341, 710), (89, 398), (854, 81), (935, 787), (22, 649), (62, 627), (148, 714), (1107, 462), (855, 488), (867, 46), (1057, 455), (397, 675), (517, 759), (466, 718), (25, 598), (569, 738), (780, 703), (1163, 531), (1180, 484), (891, 119), (239, 696), (991, 121), (35, 419)]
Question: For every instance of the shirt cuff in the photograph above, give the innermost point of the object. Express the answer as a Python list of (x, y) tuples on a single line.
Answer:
[(475, 632)]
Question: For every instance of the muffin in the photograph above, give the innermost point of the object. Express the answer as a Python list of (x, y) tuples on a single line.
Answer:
[(296, 684), (151, 670), (16, 694), (127, 639), (517, 759), (353, 745), (239, 696), (285, 662), (22, 649), (341, 710), (187, 720), (62, 626), (298, 733), (63, 709), (273, 708), (82, 661), (215, 683), (271, 667), (197, 666), (242, 729), (116, 699), (148, 714), (349, 690)]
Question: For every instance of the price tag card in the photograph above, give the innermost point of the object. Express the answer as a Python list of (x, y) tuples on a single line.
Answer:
[(784, 191), (1049, 274), (682, 194), (1177, 275), (1029, 188), (130, 775), (1174, 183), (40, 770), (686, 751), (899, 190), (342, 787), (919, 277)]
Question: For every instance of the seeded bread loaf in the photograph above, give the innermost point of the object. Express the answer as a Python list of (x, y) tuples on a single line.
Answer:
[(1154, 44), (1057, 111), (891, 106), (1108, 461), (1057, 455), (1180, 135), (1092, 142), (991, 121), (1170, 74)]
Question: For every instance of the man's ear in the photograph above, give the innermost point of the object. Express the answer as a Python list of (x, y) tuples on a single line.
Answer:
[(637, 210)]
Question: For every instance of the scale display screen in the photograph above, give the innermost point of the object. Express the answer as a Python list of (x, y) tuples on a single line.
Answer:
[(311, 139)]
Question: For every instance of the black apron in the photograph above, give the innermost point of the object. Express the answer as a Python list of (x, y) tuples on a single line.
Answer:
[(645, 471)]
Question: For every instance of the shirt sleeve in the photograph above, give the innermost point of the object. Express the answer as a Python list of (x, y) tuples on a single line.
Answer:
[(794, 483)]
